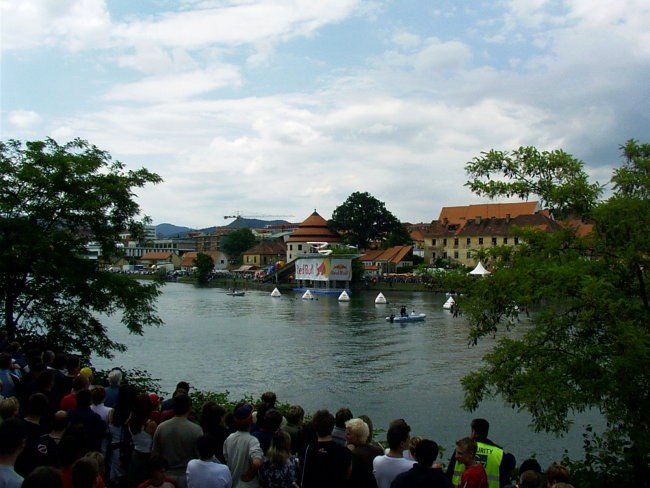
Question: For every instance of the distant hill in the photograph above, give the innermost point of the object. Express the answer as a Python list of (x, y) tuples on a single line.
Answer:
[(171, 230)]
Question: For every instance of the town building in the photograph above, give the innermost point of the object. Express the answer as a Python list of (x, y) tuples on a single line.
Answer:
[(312, 230), (381, 262), (265, 253)]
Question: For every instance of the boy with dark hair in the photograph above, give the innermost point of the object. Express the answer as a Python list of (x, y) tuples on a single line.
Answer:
[(206, 472), (12, 442), (326, 463), (423, 474), (387, 467), (157, 469)]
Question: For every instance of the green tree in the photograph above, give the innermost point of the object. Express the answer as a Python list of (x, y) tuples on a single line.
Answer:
[(204, 265), (588, 337), (56, 201), (237, 242), (363, 220), (400, 236)]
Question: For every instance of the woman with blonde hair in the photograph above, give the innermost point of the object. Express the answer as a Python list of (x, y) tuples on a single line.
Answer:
[(280, 468)]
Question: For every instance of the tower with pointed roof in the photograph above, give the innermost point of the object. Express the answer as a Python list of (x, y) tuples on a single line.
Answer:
[(313, 229)]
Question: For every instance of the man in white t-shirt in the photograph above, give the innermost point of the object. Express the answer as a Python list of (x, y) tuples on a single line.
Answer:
[(387, 467), (207, 472), (242, 451)]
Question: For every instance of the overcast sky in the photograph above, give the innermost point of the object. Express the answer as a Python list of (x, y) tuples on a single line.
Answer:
[(280, 107)]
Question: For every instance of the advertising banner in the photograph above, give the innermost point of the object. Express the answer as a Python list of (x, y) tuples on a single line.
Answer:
[(323, 269)]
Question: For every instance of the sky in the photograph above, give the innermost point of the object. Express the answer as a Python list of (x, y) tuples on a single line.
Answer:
[(276, 108)]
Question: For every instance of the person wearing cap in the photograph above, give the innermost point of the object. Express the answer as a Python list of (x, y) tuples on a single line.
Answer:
[(242, 451)]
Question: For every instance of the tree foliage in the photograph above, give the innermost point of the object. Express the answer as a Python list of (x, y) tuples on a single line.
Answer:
[(363, 220), (237, 242), (583, 344), (55, 200), (557, 178), (204, 265)]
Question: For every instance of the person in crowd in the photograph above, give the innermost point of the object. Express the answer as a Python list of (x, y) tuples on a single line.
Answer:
[(556, 473), (343, 414), (9, 408), (182, 388), (141, 430), (498, 463), (99, 458), (280, 469), (242, 451), (47, 445), (357, 433), (530, 464), (371, 438), (93, 427), (97, 397), (85, 473), (113, 388), (158, 478), (69, 401), (270, 423), (295, 418), (12, 443), (118, 435), (423, 474), (36, 407), (410, 452), (474, 475), (175, 439), (531, 479), (206, 471), (9, 379), (326, 462), (212, 423), (43, 477), (69, 451), (388, 466), (268, 401)]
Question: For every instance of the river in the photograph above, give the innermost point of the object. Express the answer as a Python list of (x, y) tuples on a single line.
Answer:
[(324, 353)]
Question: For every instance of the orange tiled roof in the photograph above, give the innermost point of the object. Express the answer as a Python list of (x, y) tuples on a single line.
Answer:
[(188, 258), (487, 211), (395, 254), (268, 247), (156, 256), (314, 228), (503, 226)]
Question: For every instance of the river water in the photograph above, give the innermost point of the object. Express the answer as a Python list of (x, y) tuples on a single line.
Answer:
[(324, 353)]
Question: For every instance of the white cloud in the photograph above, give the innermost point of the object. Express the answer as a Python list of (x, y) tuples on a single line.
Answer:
[(24, 119)]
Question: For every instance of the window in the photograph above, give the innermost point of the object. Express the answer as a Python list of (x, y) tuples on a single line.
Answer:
[(299, 247), (505, 240), (468, 255), (494, 241), (456, 242), (455, 254), (433, 242), (444, 255), (444, 241), (469, 241), (516, 240), (480, 241)]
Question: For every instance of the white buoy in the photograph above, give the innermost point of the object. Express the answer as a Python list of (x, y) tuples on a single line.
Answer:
[(307, 295), (344, 297), (276, 293), (380, 298), (449, 303)]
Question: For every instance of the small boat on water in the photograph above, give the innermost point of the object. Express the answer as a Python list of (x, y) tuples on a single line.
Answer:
[(236, 293), (406, 318)]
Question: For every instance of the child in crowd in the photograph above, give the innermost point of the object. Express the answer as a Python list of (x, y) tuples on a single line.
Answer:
[(157, 469)]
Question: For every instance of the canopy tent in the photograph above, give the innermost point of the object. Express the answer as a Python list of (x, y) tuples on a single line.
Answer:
[(479, 270)]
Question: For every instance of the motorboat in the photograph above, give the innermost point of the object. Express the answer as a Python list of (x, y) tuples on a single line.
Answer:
[(236, 293), (419, 317)]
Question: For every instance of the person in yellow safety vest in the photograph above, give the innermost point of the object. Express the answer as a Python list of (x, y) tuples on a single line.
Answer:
[(498, 463)]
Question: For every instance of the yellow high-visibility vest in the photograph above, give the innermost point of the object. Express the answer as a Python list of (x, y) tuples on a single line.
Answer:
[(490, 457)]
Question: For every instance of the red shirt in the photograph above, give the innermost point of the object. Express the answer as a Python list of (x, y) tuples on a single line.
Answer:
[(474, 476)]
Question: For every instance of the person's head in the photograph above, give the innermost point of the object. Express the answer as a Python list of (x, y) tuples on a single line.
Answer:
[(465, 451), (270, 398), (323, 423), (59, 361), (480, 428), (80, 383), (45, 380), (398, 435), (98, 395), (9, 408), (243, 416), (43, 477), (280, 449), (295, 415), (84, 473), (356, 432), (156, 469), (342, 416), (556, 473), (73, 364), (530, 479), (413, 442), (211, 415), (207, 446), (87, 372), (530, 464), (99, 459), (83, 399), (69, 449), (60, 421), (5, 360), (13, 435), (36, 405), (115, 377), (182, 404), (272, 420), (48, 358), (425, 452)]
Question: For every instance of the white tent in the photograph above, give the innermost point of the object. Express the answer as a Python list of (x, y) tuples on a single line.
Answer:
[(276, 293), (307, 295), (479, 270), (380, 298), (344, 297)]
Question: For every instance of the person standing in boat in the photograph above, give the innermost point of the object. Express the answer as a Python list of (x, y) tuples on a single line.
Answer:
[(402, 311)]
